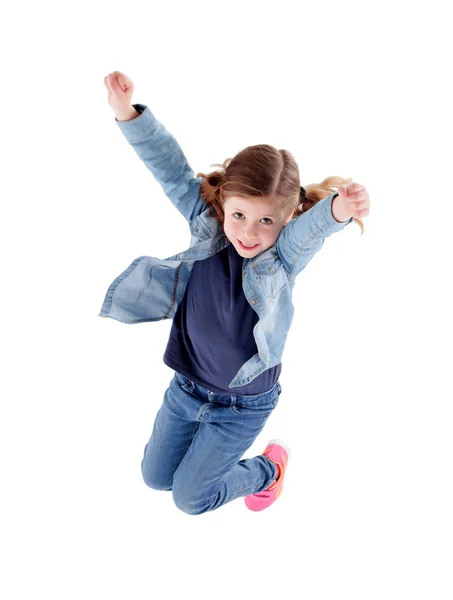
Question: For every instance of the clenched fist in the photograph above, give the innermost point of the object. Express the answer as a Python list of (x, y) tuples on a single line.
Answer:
[(120, 89)]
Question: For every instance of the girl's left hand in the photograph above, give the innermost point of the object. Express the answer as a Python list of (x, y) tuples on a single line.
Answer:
[(352, 201)]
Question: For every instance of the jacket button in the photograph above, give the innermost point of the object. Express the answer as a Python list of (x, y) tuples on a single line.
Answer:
[(254, 300), (196, 230), (254, 267), (181, 256)]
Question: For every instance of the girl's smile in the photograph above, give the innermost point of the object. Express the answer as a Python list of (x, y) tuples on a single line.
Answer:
[(248, 247)]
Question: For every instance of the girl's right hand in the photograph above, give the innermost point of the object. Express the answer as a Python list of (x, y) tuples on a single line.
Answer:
[(120, 89)]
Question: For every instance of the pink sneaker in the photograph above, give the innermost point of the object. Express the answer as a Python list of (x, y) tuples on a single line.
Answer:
[(277, 452)]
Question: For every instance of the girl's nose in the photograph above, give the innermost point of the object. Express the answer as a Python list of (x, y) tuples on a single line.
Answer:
[(250, 234)]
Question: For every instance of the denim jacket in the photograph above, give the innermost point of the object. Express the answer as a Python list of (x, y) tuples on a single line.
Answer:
[(150, 289)]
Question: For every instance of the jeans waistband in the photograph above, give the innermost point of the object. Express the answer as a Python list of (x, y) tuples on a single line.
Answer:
[(232, 399)]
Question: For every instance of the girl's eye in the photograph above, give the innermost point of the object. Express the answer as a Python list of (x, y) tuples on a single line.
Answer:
[(238, 213)]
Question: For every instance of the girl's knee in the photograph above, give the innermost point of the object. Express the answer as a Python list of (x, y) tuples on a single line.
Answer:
[(187, 499), (154, 480), (187, 506)]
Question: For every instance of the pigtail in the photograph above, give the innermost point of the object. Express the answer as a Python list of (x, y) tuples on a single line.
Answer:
[(211, 190)]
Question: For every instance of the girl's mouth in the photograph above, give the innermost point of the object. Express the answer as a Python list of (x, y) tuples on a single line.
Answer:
[(247, 247)]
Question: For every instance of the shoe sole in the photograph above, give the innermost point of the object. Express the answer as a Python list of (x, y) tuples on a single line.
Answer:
[(280, 443)]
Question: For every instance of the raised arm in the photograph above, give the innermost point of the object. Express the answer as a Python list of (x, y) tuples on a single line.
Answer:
[(163, 156), (304, 236), (155, 146)]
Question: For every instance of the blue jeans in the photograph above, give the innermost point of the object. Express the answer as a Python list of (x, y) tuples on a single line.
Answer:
[(197, 441)]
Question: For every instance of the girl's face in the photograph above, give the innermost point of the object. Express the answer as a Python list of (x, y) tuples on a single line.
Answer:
[(255, 222)]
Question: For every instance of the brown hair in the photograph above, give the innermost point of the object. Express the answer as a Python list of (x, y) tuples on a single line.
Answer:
[(265, 172)]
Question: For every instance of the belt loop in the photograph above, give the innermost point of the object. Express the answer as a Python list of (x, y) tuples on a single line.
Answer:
[(233, 399)]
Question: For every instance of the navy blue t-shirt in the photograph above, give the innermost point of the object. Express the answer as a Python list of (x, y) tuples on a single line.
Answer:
[(212, 331)]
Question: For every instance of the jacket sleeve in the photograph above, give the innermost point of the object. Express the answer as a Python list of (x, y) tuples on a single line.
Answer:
[(163, 156), (302, 237)]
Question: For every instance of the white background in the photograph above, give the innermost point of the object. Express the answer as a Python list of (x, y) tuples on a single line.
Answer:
[(352, 89)]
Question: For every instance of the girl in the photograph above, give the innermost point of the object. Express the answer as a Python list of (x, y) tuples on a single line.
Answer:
[(253, 230)]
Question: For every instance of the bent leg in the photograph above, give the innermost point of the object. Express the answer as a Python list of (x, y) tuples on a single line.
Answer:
[(211, 472)]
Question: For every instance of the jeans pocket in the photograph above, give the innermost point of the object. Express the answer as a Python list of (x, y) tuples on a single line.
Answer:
[(252, 411), (261, 407)]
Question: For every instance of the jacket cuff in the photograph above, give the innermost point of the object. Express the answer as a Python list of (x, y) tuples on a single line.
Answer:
[(140, 126)]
